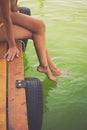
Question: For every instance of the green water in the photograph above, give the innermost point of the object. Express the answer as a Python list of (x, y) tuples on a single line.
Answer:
[(65, 102)]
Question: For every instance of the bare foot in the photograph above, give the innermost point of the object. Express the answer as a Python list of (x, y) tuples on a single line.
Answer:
[(46, 70), (63, 74), (56, 71), (60, 73)]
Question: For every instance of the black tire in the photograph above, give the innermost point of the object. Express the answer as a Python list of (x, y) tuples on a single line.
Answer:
[(24, 10), (34, 98)]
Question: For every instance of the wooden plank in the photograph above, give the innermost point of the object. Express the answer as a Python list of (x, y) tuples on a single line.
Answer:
[(17, 113), (3, 49)]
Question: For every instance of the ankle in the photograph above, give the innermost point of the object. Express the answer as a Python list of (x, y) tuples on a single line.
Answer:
[(43, 66)]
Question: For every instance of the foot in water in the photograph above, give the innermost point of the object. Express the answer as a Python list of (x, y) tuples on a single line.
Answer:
[(60, 73), (46, 70), (56, 71)]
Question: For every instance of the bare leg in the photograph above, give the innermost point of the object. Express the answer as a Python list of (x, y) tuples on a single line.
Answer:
[(37, 28), (40, 47), (53, 67)]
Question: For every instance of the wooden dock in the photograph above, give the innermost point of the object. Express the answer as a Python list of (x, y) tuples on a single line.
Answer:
[(13, 113), (21, 99)]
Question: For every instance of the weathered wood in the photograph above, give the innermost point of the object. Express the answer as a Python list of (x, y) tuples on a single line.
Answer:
[(3, 49), (17, 113)]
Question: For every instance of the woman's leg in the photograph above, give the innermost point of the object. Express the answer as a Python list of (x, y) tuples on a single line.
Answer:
[(37, 28), (19, 33), (53, 68)]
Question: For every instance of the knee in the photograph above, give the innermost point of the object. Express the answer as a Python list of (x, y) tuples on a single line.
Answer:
[(42, 26)]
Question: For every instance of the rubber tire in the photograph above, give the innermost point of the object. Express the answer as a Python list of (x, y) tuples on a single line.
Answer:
[(24, 10), (34, 98)]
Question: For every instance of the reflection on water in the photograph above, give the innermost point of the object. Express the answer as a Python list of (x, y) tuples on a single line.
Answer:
[(47, 87), (41, 6), (41, 3)]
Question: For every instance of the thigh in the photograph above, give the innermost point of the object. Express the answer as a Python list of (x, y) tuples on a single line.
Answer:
[(19, 33), (28, 22)]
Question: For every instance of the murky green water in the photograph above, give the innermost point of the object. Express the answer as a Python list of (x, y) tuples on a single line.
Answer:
[(65, 103)]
